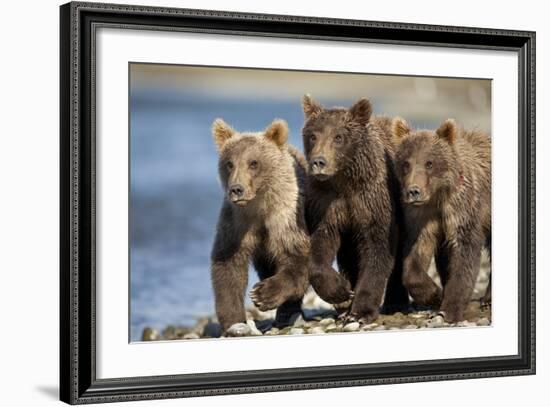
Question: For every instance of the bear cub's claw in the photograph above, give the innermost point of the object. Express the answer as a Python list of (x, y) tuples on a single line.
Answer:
[(364, 319), (268, 294)]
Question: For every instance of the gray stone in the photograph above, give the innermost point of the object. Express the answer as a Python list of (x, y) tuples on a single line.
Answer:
[(169, 332), (316, 330), (212, 330), (421, 322), (410, 326), (299, 321), (483, 322), (238, 330), (466, 324), (192, 335), (272, 331), (150, 334), (379, 328), (435, 322), (296, 331), (351, 327), (254, 331), (285, 330), (326, 321)]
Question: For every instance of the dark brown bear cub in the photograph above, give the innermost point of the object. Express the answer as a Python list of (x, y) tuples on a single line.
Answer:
[(261, 221), (351, 205), (445, 178)]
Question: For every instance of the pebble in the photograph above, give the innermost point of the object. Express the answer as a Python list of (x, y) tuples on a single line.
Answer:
[(466, 323), (169, 332), (483, 322), (272, 331), (212, 330), (238, 330), (421, 323), (435, 322), (315, 319), (351, 327), (316, 330), (299, 321), (200, 325), (327, 321), (150, 334), (285, 330), (333, 328), (253, 330)]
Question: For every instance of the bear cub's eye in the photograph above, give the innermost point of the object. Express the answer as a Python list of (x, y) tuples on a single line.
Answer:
[(406, 166), (429, 165), (229, 165), (253, 164), (312, 138), (338, 139)]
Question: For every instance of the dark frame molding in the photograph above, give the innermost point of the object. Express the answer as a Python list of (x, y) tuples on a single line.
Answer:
[(78, 382)]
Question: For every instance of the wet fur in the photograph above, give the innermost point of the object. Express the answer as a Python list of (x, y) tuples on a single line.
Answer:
[(269, 232), (353, 213), (455, 224)]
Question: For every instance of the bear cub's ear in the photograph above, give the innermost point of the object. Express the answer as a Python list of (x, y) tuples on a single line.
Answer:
[(277, 132), (310, 106), (448, 131), (361, 111), (221, 132), (400, 128)]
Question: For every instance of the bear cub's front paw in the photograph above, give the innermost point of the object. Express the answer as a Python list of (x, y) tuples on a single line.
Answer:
[(268, 294)]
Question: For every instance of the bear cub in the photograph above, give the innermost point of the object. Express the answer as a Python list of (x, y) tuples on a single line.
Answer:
[(261, 221), (352, 207), (445, 178)]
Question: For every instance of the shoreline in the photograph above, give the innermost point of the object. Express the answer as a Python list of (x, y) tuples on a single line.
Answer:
[(317, 317)]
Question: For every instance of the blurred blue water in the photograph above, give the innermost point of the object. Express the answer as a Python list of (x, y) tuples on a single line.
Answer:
[(175, 198)]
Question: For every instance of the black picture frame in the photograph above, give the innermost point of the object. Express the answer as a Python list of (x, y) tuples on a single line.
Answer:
[(78, 381)]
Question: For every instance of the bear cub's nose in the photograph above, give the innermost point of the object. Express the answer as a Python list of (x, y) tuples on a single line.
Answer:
[(237, 190), (318, 163), (414, 193)]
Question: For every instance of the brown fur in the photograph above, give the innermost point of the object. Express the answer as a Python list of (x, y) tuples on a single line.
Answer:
[(263, 222), (445, 176), (351, 207)]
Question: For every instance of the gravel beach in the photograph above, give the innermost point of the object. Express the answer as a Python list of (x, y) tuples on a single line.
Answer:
[(319, 317)]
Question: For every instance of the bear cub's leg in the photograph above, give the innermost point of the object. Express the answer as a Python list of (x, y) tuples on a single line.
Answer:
[(486, 299), (421, 287), (229, 278), (464, 263), (376, 262), (286, 311), (330, 285), (283, 284)]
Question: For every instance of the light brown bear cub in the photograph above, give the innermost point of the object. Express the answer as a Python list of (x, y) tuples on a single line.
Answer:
[(261, 221), (445, 178)]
